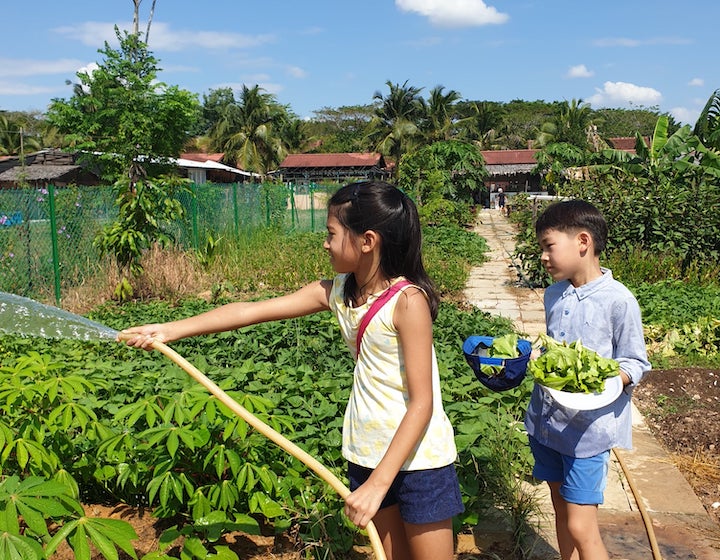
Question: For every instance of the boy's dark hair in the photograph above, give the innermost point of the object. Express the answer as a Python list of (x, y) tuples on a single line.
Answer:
[(575, 215), (386, 210)]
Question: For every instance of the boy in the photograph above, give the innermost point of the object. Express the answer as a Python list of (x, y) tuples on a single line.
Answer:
[(572, 447)]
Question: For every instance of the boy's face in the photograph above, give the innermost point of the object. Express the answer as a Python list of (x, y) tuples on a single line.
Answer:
[(561, 253)]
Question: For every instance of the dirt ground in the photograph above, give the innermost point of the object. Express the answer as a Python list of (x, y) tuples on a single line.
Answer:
[(682, 409), (680, 406)]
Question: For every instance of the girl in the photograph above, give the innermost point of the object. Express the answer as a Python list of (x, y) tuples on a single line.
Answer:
[(397, 439)]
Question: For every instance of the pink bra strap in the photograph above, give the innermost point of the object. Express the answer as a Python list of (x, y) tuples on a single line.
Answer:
[(374, 308)]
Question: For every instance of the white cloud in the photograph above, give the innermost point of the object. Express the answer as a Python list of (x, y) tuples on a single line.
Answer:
[(579, 71), (454, 13), (628, 42), (14, 88), (28, 67), (696, 82), (162, 38), (296, 72), (684, 115), (623, 93)]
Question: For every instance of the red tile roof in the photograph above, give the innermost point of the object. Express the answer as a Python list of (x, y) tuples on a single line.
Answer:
[(197, 156), (509, 157), (332, 160)]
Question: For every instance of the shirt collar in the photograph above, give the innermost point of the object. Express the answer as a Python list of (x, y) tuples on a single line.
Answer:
[(586, 290)]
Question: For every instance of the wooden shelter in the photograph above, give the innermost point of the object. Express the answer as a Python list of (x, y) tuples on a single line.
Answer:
[(307, 168), (511, 170)]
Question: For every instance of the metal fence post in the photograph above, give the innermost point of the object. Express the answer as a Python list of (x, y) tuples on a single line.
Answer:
[(194, 211), (311, 191), (54, 242), (236, 209)]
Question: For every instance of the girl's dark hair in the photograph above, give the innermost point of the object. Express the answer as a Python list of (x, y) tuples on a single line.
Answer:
[(389, 212), (575, 215)]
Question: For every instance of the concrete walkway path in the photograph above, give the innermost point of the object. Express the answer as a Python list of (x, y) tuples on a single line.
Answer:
[(644, 487)]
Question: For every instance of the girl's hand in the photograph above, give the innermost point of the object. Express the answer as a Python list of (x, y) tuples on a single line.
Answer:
[(362, 505), (143, 336)]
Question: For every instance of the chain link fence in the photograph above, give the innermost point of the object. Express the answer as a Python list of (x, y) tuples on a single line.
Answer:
[(47, 233)]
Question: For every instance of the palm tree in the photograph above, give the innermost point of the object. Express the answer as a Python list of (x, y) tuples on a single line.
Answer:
[(482, 124), (439, 115), (396, 123), (13, 138), (570, 125), (249, 131)]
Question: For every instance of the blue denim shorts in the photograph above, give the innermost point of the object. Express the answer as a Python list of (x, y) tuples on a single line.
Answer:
[(582, 480), (425, 496)]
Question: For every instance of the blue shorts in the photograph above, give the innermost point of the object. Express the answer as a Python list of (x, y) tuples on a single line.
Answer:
[(582, 480), (425, 496)]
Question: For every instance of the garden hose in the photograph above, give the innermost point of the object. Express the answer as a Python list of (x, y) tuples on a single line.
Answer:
[(268, 432), (643, 510)]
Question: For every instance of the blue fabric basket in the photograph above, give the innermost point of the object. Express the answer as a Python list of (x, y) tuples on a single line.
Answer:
[(475, 349)]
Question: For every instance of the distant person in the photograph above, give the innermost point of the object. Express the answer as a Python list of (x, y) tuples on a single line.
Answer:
[(501, 198), (397, 439), (572, 447)]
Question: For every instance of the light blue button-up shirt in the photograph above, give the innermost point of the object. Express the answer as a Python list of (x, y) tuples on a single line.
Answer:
[(605, 316)]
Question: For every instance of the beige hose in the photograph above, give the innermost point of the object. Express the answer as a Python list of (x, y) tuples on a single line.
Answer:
[(268, 432), (643, 510)]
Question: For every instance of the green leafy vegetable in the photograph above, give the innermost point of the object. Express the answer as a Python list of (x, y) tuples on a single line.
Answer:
[(502, 347), (571, 367)]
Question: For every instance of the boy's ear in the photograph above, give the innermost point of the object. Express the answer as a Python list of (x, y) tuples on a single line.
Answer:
[(585, 239)]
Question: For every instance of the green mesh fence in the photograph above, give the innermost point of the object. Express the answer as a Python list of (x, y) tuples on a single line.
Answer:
[(46, 234)]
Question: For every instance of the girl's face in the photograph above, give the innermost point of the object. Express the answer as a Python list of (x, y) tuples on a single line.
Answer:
[(342, 245)]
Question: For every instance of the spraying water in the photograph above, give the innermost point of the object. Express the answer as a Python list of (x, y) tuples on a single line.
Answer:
[(22, 316)]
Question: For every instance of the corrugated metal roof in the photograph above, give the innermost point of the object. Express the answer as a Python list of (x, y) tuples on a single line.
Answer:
[(510, 169), (351, 159), (191, 164), (38, 172)]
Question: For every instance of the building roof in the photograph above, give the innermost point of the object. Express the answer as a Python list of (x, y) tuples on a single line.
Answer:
[(509, 157), (351, 159), (38, 172), (209, 164), (199, 156)]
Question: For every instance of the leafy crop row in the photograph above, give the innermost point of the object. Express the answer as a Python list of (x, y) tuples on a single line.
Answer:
[(110, 423)]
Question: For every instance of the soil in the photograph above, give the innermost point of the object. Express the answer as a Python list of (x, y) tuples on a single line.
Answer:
[(681, 408)]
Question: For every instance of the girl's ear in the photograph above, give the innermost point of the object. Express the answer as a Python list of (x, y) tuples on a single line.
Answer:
[(370, 240)]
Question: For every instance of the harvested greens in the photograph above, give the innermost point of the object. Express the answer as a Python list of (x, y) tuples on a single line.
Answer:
[(571, 367)]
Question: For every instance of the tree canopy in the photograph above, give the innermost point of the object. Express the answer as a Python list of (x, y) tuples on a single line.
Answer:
[(120, 115)]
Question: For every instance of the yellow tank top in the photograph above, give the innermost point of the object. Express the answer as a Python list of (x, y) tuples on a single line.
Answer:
[(379, 392)]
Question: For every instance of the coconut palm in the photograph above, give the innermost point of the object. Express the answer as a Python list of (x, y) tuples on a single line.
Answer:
[(439, 122), (14, 139), (396, 124), (570, 125), (249, 131), (481, 123)]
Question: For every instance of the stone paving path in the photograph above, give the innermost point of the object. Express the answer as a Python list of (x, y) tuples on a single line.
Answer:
[(644, 475)]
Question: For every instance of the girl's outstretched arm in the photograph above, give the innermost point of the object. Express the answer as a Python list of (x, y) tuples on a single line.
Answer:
[(414, 324), (310, 299)]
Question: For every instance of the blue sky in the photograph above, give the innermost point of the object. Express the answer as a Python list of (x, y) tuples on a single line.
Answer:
[(330, 53)]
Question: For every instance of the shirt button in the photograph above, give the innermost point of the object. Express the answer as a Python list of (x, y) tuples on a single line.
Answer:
[(562, 333), (566, 312)]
